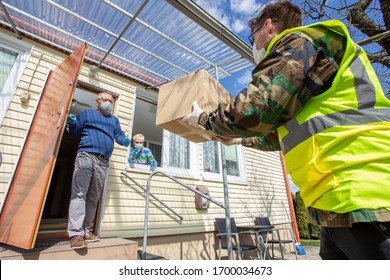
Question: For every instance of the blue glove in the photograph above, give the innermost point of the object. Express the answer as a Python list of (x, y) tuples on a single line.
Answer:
[(126, 142), (72, 119)]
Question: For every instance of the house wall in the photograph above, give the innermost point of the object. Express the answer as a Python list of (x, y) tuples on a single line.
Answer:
[(263, 192)]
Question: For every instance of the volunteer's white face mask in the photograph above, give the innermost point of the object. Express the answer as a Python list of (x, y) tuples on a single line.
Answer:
[(258, 55)]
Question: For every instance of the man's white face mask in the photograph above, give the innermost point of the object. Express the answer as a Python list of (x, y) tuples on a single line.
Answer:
[(258, 55)]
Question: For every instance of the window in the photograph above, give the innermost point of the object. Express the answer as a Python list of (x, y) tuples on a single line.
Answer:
[(179, 155), (13, 59), (212, 161), (231, 161), (144, 122), (7, 60), (156, 150), (179, 152)]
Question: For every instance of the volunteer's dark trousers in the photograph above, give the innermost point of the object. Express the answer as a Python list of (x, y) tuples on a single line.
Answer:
[(362, 241)]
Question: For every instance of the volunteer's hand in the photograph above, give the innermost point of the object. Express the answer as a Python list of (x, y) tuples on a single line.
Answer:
[(193, 118), (71, 119), (229, 142), (126, 142)]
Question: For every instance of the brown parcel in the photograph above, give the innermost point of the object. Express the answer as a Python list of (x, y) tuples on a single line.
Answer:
[(175, 102)]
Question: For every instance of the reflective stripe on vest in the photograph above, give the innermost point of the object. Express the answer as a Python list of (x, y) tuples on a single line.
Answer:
[(318, 124), (365, 113), (336, 148)]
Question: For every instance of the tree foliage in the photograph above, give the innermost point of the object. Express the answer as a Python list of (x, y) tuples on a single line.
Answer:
[(306, 229), (301, 216)]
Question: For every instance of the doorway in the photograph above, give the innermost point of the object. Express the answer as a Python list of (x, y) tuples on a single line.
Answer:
[(54, 219)]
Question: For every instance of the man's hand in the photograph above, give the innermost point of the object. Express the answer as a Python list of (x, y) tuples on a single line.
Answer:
[(230, 141), (126, 142), (71, 119), (193, 118)]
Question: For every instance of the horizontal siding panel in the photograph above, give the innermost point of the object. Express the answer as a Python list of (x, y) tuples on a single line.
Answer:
[(16, 141), (17, 117), (7, 131)]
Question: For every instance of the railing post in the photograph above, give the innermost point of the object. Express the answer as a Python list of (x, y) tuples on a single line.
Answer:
[(225, 192), (145, 240)]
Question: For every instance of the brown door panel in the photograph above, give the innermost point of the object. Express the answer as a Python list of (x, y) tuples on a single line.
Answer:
[(22, 210)]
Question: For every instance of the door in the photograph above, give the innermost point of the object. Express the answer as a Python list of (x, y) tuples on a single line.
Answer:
[(23, 207)]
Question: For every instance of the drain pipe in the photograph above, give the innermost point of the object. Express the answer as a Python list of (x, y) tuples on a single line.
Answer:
[(289, 198)]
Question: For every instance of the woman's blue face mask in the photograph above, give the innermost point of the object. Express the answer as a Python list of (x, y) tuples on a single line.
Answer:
[(138, 147)]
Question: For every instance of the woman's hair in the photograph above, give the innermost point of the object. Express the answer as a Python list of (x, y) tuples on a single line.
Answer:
[(138, 136), (285, 15)]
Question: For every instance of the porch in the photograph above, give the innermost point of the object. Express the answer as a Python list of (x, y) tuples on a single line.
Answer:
[(105, 249), (110, 249)]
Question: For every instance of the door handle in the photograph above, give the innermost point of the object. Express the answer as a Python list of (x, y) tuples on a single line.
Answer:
[(59, 118)]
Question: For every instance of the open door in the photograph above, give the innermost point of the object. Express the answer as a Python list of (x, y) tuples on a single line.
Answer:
[(23, 207)]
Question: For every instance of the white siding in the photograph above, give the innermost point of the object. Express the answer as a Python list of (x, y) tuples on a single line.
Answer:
[(16, 123)]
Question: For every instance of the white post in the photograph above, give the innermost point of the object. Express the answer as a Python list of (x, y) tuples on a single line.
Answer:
[(226, 192)]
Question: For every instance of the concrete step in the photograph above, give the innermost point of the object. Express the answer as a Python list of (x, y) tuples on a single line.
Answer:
[(105, 249), (150, 256)]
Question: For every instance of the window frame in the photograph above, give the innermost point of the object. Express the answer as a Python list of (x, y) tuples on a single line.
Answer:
[(24, 51), (242, 179), (192, 171)]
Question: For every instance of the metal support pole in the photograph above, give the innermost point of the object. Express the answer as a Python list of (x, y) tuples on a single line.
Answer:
[(225, 192), (10, 21)]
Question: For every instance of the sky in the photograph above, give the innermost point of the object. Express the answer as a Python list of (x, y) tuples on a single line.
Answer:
[(234, 14)]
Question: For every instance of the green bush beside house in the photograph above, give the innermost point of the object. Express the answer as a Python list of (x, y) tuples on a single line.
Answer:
[(306, 229)]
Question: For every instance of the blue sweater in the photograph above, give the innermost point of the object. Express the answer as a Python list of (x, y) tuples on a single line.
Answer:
[(144, 156), (97, 132)]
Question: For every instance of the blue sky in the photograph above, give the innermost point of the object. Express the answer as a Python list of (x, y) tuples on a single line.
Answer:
[(234, 14)]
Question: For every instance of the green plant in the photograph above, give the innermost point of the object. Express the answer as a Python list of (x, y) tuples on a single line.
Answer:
[(310, 242), (306, 229), (301, 216)]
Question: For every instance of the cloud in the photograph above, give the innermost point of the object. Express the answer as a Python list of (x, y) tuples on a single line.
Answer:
[(217, 9), (234, 14), (246, 7), (244, 79), (239, 26)]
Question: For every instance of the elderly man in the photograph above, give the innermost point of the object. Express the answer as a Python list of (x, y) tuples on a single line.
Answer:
[(98, 130)]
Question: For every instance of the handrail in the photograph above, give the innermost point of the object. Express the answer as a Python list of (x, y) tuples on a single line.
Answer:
[(152, 195), (143, 257)]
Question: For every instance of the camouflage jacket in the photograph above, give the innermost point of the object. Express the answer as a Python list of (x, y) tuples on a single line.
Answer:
[(294, 71)]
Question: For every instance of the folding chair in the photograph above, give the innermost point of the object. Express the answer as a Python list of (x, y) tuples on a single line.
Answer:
[(273, 236), (222, 240)]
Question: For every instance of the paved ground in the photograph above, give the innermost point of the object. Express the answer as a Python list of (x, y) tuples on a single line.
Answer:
[(312, 253)]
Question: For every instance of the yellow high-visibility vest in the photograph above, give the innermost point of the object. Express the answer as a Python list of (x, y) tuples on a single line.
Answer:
[(337, 149)]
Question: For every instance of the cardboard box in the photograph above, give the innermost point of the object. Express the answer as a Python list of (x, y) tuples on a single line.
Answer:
[(175, 102)]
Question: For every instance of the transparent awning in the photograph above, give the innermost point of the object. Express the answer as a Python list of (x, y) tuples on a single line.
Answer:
[(151, 41)]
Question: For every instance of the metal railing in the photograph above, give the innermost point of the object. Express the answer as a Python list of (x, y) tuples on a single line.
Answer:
[(149, 194), (152, 195), (145, 240)]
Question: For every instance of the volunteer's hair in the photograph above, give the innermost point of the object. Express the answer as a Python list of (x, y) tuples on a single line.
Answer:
[(284, 13)]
